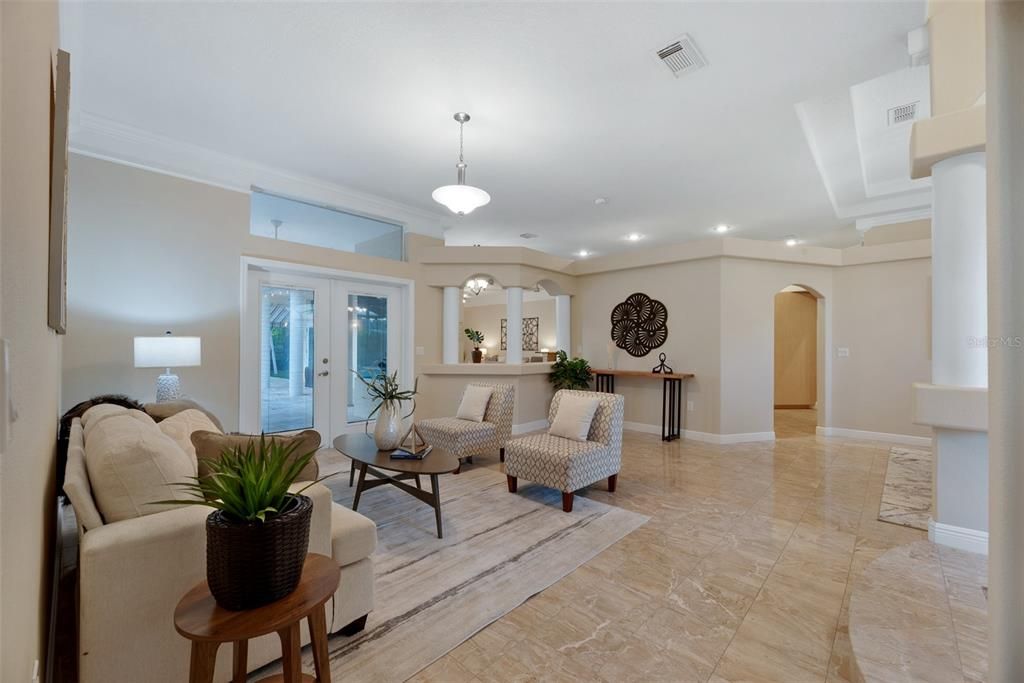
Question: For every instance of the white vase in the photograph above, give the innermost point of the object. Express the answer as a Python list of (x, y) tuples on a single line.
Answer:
[(389, 432)]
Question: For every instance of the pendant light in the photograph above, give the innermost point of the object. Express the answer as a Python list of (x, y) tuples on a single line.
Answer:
[(461, 198)]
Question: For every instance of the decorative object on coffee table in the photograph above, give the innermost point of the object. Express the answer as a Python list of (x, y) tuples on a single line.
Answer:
[(168, 352), (639, 324), (386, 391), (258, 534), (570, 374), (477, 337), (198, 618), (370, 460)]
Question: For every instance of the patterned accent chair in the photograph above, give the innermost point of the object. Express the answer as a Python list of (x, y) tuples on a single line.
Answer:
[(464, 438), (568, 465)]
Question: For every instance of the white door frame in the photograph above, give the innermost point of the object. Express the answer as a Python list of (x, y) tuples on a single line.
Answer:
[(248, 399)]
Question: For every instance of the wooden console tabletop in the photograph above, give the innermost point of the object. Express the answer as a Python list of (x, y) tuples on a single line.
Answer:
[(645, 373)]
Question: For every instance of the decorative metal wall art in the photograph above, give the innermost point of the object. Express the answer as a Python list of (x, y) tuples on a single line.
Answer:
[(531, 331), (639, 324)]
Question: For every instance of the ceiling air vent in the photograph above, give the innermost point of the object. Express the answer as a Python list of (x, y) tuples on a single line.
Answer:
[(682, 56), (902, 114)]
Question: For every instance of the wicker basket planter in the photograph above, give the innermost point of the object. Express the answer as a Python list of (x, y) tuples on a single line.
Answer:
[(249, 564)]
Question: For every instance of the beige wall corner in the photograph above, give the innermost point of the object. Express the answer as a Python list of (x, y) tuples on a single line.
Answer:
[(28, 42), (956, 34)]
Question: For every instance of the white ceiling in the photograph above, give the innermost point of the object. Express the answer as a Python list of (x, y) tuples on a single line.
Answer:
[(568, 101)]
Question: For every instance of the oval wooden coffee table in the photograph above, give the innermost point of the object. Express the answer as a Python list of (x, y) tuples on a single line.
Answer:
[(363, 452), (200, 619)]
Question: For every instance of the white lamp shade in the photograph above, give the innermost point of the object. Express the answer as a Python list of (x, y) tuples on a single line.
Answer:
[(167, 352), (461, 199)]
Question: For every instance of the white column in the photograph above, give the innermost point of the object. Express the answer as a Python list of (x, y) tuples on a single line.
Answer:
[(296, 341), (1005, 144), (450, 325), (514, 329), (959, 296), (563, 324), (959, 345)]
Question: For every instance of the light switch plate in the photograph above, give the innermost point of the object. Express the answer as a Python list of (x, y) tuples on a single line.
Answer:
[(419, 351), (843, 352)]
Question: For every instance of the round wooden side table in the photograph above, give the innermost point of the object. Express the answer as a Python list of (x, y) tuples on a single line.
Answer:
[(200, 619)]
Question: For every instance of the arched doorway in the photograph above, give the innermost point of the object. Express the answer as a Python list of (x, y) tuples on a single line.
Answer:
[(798, 376)]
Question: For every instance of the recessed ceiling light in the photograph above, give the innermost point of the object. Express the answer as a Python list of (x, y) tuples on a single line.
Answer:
[(634, 237), (721, 227), (527, 235), (583, 253), (601, 200), (792, 241)]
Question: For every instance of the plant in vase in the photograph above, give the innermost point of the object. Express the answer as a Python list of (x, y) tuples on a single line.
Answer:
[(387, 393), (477, 338), (258, 534), (569, 373)]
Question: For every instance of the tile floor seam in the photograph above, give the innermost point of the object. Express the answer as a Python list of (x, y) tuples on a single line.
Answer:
[(949, 608)]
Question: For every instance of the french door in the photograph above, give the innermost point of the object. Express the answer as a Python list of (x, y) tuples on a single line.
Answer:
[(306, 343)]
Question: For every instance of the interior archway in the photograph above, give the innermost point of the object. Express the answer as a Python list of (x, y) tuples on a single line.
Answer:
[(798, 367)]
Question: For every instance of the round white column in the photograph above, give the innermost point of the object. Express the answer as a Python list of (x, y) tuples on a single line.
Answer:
[(563, 324), (1005, 111), (450, 325), (514, 326), (959, 284)]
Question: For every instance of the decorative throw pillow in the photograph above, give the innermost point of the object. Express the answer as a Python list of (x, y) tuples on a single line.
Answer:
[(474, 403), (165, 409), (209, 446), (131, 464), (180, 427), (575, 413)]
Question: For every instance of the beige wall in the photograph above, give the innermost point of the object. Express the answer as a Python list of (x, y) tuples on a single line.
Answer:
[(487, 319), (28, 35), (150, 252), (690, 290), (796, 349), (881, 315)]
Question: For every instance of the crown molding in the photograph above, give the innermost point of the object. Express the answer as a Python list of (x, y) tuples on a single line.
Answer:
[(104, 138), (868, 222)]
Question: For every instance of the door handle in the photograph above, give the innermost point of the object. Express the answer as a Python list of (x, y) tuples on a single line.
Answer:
[(323, 374)]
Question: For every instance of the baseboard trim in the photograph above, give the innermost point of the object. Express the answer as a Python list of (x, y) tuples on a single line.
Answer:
[(527, 427), (906, 439), (958, 537), (706, 437)]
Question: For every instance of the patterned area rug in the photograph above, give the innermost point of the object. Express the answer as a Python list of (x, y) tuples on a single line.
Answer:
[(907, 495), (499, 549)]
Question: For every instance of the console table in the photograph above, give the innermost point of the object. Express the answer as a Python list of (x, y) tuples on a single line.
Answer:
[(671, 395)]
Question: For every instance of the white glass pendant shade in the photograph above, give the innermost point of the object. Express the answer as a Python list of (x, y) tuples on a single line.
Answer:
[(461, 199)]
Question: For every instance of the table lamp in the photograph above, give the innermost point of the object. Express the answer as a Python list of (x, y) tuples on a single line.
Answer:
[(167, 352)]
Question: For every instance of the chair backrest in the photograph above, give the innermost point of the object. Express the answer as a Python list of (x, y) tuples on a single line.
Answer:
[(606, 426), (500, 408)]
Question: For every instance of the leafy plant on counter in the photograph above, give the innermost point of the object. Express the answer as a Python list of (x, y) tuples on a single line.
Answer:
[(569, 373), (475, 336)]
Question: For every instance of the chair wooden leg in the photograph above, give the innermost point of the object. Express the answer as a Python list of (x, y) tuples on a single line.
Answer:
[(501, 454), (513, 483), (612, 481), (567, 501), (459, 468)]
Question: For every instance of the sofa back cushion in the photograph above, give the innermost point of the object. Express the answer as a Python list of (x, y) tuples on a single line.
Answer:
[(180, 427), (210, 445), (165, 409), (131, 463)]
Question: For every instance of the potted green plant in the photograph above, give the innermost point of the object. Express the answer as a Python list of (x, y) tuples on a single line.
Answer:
[(258, 534), (569, 373), (387, 393), (477, 338)]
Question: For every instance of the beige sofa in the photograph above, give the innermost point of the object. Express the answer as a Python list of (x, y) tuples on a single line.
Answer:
[(132, 572)]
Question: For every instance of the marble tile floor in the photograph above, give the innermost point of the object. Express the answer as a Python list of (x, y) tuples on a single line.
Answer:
[(743, 572), (794, 422)]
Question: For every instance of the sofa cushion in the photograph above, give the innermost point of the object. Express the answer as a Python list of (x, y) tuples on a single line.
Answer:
[(353, 536), (181, 425), (209, 446), (558, 462), (461, 438), (165, 409), (131, 464), (76, 481)]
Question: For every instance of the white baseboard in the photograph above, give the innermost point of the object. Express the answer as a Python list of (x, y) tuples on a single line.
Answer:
[(906, 439), (958, 537), (527, 427), (707, 437)]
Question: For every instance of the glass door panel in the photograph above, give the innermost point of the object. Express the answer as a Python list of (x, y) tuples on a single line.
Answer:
[(368, 350), (287, 358)]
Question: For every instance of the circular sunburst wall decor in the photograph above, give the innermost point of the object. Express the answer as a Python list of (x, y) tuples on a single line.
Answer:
[(639, 324)]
